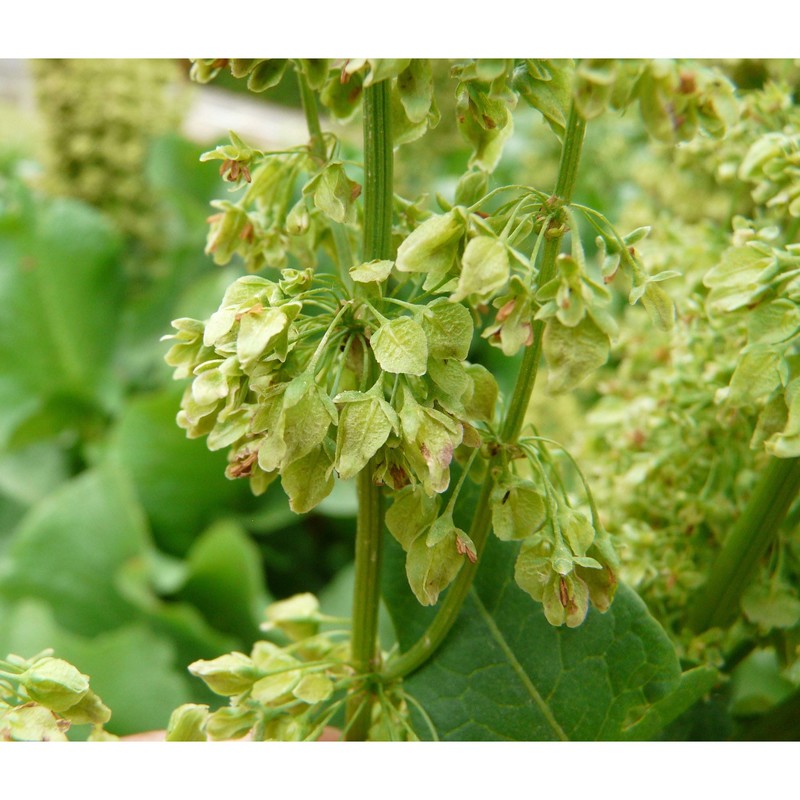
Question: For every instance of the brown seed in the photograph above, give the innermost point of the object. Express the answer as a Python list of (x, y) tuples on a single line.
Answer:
[(564, 592)]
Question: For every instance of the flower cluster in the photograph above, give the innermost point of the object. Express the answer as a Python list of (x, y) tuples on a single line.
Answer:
[(42, 697), (302, 394), (290, 691)]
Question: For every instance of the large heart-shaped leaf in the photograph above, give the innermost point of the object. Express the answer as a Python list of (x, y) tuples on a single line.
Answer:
[(69, 548), (60, 295), (179, 482), (504, 673)]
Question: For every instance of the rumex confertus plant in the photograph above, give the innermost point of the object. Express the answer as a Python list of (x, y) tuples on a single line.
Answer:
[(355, 349), (363, 371)]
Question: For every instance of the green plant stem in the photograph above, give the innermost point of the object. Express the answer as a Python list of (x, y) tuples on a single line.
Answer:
[(717, 602), (378, 189), (451, 605), (341, 243)]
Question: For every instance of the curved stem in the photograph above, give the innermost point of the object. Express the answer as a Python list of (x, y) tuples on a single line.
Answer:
[(451, 605), (378, 165), (341, 243), (718, 600)]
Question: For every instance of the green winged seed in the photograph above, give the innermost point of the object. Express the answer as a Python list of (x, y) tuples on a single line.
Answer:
[(89, 709), (432, 247), (187, 723), (415, 89), (32, 723), (757, 373), (771, 606), (209, 386), (54, 683), (296, 616), (431, 569), (577, 529), (412, 511), (309, 480), (480, 403), (659, 306), (335, 194), (518, 511), (375, 271), (573, 353), (281, 681), (256, 330), (230, 722), (400, 346), (364, 426), (450, 377), (313, 688), (736, 279), (228, 675), (485, 269), (448, 328), (773, 322), (306, 423)]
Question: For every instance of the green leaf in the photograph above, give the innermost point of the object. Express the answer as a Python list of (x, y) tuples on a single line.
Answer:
[(225, 580), (505, 674), (60, 298), (69, 548), (400, 346), (178, 481), (693, 685), (572, 353)]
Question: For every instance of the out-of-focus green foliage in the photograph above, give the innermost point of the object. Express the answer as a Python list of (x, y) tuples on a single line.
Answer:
[(122, 544)]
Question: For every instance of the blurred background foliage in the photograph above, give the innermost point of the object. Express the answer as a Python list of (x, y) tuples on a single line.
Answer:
[(122, 544)]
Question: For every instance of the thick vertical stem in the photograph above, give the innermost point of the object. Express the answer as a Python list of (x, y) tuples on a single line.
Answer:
[(718, 600), (448, 612), (378, 195)]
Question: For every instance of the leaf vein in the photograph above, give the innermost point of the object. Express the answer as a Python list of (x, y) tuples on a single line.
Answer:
[(518, 669)]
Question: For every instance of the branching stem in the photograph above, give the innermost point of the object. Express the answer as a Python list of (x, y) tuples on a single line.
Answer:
[(319, 151), (451, 605)]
